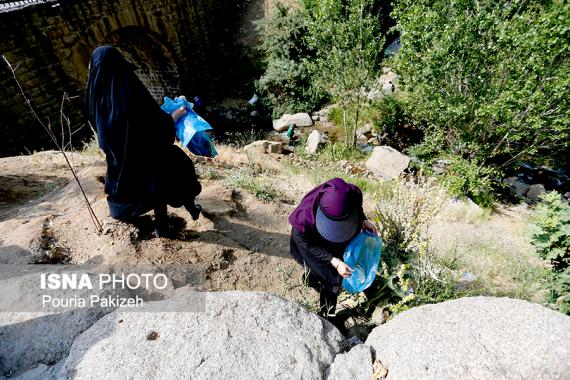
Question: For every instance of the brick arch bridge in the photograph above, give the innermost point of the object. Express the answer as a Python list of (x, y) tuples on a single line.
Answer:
[(178, 45)]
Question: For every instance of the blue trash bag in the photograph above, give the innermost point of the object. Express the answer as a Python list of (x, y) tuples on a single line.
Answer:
[(192, 129), (362, 255)]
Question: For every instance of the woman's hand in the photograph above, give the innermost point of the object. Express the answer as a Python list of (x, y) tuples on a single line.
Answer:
[(180, 112), (367, 225), (344, 270)]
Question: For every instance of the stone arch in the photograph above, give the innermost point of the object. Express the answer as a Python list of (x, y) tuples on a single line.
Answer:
[(157, 65), (105, 31)]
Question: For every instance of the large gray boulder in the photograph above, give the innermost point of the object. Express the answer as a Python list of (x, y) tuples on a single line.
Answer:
[(239, 335), (355, 364), (475, 338), (33, 333), (387, 163), (299, 120)]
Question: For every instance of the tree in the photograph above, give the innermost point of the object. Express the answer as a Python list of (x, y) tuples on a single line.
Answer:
[(346, 36), (488, 79)]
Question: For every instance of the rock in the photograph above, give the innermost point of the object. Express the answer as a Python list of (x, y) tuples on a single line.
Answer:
[(387, 163), (379, 316), (466, 281), (440, 166), (298, 119), (264, 147), (258, 147), (28, 335), (216, 200), (567, 195), (239, 335), (315, 139), (480, 337), (517, 187), (274, 147), (534, 191), (356, 364), (373, 141)]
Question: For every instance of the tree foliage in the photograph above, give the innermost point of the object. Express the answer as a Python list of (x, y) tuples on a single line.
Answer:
[(329, 49), (347, 38), (489, 79), (287, 85)]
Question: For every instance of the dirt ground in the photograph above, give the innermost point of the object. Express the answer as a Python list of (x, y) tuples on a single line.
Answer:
[(238, 243)]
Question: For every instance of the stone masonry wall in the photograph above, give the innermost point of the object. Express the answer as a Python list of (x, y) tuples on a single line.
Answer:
[(178, 46)]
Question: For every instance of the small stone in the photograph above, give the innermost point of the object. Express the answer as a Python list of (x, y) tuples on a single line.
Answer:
[(153, 335), (534, 191), (517, 187), (274, 147), (315, 139)]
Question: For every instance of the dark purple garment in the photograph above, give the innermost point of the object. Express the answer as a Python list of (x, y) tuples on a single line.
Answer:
[(338, 198)]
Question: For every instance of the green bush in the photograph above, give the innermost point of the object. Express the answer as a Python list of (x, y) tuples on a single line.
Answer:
[(287, 85), (469, 178), (551, 238), (389, 114), (488, 79)]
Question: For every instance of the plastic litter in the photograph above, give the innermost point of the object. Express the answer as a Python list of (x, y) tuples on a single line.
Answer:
[(192, 130), (362, 255), (253, 99)]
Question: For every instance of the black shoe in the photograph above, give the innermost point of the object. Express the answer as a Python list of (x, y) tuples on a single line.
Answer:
[(194, 211)]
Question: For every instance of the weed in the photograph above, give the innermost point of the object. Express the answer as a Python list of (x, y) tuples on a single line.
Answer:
[(259, 187), (239, 139)]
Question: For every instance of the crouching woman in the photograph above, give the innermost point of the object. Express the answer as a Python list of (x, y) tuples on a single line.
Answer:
[(325, 221)]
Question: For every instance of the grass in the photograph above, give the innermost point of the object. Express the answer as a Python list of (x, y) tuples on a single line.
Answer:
[(500, 268), (468, 212), (339, 151), (240, 139), (254, 182)]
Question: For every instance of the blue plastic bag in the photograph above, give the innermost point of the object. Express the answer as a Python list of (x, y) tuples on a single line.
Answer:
[(192, 129), (362, 255)]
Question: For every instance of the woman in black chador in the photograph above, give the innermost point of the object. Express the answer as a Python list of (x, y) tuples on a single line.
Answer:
[(145, 171)]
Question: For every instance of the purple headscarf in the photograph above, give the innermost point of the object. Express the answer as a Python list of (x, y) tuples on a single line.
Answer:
[(336, 197)]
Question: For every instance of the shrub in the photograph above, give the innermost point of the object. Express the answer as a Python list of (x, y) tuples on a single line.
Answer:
[(239, 139), (338, 151), (346, 36), (551, 238), (468, 178), (404, 212), (489, 79)]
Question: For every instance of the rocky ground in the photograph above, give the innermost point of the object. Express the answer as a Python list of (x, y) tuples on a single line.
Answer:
[(239, 243)]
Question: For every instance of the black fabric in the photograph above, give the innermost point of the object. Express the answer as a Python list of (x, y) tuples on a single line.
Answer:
[(314, 252), (144, 168)]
